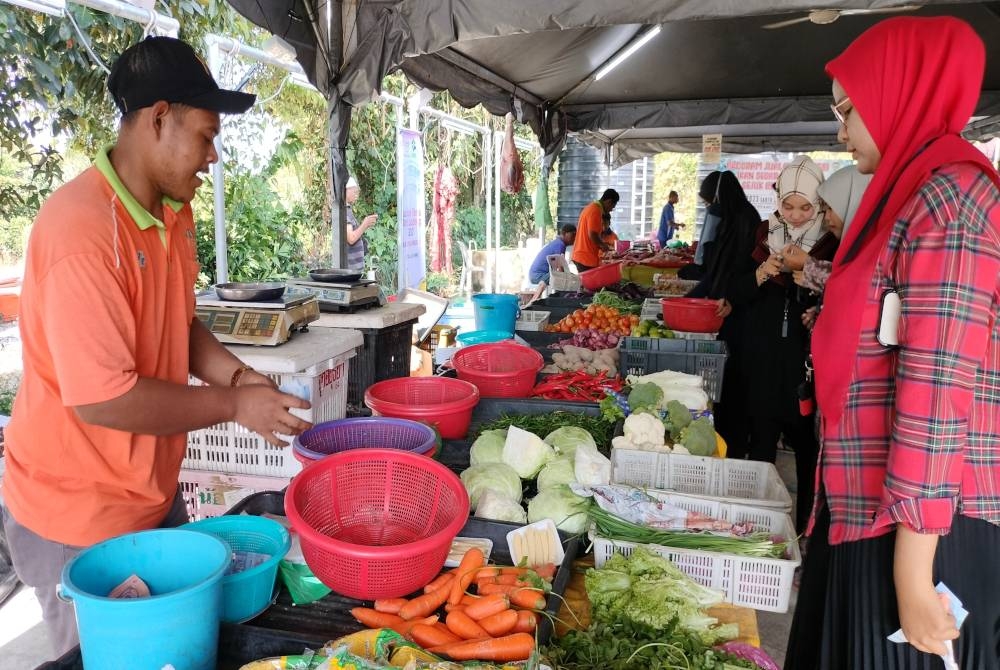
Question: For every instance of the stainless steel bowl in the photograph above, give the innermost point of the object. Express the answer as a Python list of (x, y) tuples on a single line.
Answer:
[(250, 291), (334, 275)]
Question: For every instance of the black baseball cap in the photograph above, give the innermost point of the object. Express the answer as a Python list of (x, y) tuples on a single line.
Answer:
[(165, 68)]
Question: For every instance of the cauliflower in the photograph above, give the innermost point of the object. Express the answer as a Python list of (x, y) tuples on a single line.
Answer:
[(644, 431)]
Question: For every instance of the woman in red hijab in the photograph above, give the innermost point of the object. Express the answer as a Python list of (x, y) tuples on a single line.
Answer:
[(907, 357)]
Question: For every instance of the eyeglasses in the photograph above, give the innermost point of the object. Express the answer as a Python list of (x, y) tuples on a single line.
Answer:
[(841, 116)]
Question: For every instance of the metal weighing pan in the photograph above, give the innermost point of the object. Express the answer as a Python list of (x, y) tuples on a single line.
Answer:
[(250, 291), (334, 275)]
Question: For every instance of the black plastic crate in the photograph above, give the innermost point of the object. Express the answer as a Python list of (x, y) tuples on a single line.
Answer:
[(539, 338), (384, 355), (645, 355)]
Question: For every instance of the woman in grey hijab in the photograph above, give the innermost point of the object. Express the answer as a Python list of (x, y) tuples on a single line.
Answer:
[(841, 194)]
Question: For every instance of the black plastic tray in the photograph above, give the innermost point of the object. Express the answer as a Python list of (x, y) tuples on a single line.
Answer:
[(330, 617), (238, 645), (540, 338)]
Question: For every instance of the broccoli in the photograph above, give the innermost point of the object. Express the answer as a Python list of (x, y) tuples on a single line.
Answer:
[(677, 419), (699, 437), (645, 398)]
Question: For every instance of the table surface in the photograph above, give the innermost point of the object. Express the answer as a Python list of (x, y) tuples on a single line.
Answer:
[(379, 317), (304, 350)]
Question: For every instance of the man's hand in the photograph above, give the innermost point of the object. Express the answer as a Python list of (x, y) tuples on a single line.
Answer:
[(251, 377), (723, 308), (264, 410), (369, 221), (809, 318)]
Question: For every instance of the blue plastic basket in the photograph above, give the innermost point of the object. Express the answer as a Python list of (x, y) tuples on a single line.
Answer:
[(177, 625), (248, 593), (483, 337), (334, 437)]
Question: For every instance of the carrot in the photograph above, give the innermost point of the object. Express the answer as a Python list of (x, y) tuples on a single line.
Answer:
[(511, 570), (491, 571), (471, 563), (499, 624), (439, 581), (441, 626), (424, 605), (443, 649), (461, 625), (488, 589), (546, 571), (431, 636), (375, 619), (499, 579), (406, 627), (390, 605), (529, 599), (453, 608), (514, 647), (488, 606), (527, 622)]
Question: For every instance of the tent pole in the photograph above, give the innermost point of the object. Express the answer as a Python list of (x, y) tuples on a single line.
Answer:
[(497, 159), (218, 180)]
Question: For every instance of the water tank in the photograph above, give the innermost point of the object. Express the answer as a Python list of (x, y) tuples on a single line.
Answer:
[(583, 177)]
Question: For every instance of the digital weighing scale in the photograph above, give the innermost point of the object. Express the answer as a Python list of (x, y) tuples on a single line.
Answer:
[(265, 322), (335, 297)]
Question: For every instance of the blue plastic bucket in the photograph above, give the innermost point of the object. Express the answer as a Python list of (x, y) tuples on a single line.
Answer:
[(495, 311), (247, 593), (177, 625), (483, 337)]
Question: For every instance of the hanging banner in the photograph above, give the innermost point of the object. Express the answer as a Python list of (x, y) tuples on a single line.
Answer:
[(410, 206), (758, 173), (711, 148)]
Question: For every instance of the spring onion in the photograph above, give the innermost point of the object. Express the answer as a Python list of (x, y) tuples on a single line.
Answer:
[(759, 544)]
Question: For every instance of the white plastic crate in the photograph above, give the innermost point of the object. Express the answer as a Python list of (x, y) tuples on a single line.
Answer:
[(532, 319), (560, 277), (232, 449), (747, 581), (211, 494), (728, 480)]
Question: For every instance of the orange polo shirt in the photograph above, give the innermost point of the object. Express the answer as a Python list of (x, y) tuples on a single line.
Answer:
[(108, 297), (591, 220)]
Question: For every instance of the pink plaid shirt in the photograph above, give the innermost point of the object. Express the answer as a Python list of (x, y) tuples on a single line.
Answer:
[(919, 439)]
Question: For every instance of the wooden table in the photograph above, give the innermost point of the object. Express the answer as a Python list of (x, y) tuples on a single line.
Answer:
[(576, 597)]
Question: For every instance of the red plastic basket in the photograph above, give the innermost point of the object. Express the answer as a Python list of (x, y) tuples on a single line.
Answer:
[(691, 315), (602, 276), (443, 403), (376, 523), (499, 369)]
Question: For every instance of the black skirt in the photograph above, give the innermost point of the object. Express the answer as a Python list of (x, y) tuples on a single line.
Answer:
[(847, 602)]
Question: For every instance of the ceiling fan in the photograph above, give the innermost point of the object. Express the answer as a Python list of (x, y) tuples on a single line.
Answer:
[(821, 17)]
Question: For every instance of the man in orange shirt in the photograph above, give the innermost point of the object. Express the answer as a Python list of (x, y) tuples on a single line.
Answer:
[(97, 436), (589, 245)]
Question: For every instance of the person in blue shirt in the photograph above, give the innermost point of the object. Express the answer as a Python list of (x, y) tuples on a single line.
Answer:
[(539, 271), (668, 225)]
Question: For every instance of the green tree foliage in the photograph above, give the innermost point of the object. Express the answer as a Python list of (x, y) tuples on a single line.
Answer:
[(677, 172)]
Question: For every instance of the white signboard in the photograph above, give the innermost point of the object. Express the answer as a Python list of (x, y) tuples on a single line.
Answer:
[(758, 173), (410, 206), (711, 148)]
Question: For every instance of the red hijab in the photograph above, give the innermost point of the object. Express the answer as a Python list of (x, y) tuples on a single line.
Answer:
[(915, 82)]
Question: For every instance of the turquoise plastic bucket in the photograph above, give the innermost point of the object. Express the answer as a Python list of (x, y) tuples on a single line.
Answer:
[(495, 311), (483, 337), (247, 593), (177, 625)]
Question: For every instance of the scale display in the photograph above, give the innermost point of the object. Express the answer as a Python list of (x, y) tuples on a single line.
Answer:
[(241, 323)]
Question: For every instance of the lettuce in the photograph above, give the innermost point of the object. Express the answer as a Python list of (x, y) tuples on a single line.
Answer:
[(500, 507), (488, 447), (497, 476), (556, 473), (565, 508), (526, 452), (565, 440)]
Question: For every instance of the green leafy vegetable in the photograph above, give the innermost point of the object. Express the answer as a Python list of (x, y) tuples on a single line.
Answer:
[(488, 447), (699, 437), (678, 418), (497, 476), (565, 508), (543, 424), (566, 439)]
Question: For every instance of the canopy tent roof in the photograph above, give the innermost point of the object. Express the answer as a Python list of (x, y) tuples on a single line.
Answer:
[(713, 67)]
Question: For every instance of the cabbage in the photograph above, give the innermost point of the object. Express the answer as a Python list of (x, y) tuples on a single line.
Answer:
[(565, 440), (526, 452), (565, 508), (591, 467), (500, 507), (497, 476), (559, 471), (488, 447)]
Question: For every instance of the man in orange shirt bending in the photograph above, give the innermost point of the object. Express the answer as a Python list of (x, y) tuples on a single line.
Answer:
[(95, 444), (589, 245)]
